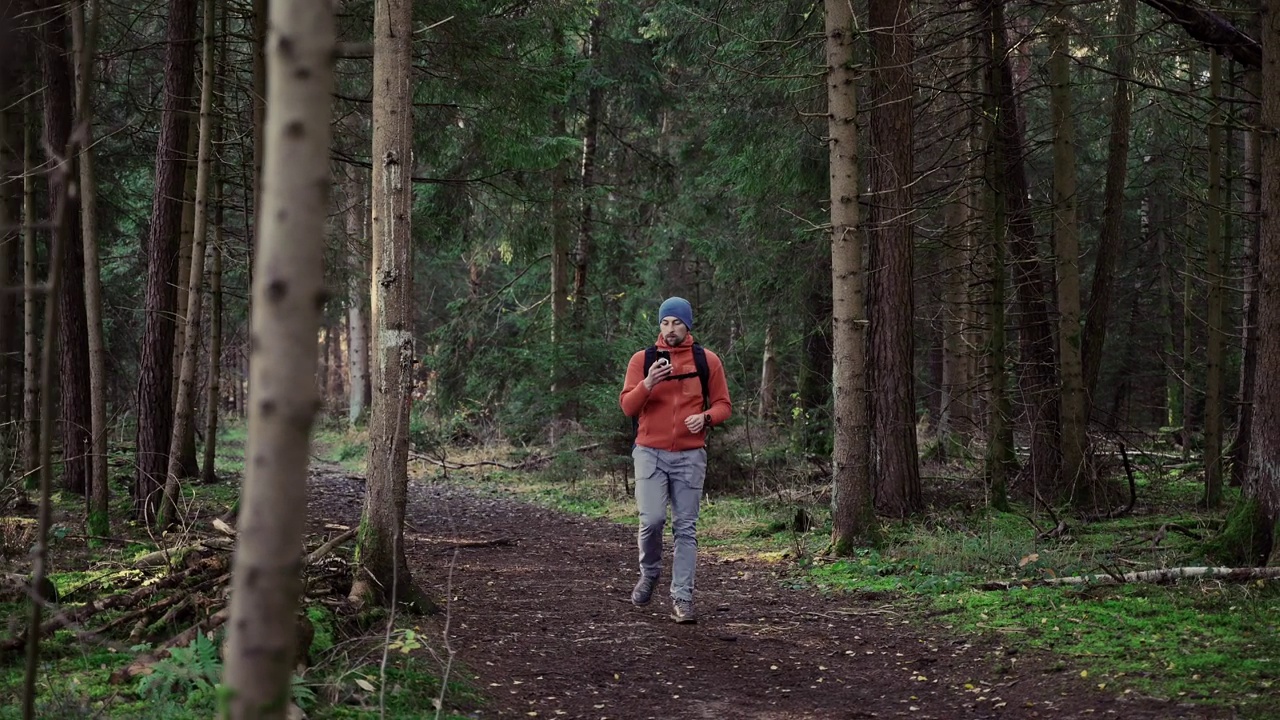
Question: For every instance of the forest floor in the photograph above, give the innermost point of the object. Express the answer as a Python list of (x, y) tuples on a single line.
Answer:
[(539, 622)]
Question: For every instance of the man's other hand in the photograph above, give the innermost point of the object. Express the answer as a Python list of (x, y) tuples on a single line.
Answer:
[(696, 423)]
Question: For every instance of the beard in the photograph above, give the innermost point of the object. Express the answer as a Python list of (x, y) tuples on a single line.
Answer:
[(674, 340)]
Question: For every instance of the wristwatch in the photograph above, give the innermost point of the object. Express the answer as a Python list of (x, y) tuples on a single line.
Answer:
[(706, 419)]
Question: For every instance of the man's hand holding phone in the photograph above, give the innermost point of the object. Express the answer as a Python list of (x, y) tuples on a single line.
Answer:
[(659, 370)]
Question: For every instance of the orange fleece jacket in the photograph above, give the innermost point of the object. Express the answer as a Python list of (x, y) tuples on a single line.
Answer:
[(662, 411)]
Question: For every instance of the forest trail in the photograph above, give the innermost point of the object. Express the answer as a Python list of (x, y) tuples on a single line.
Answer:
[(541, 614)]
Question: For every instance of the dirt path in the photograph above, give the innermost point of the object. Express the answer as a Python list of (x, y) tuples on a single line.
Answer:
[(547, 626)]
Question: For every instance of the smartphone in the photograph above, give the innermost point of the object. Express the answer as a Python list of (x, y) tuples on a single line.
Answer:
[(665, 355)]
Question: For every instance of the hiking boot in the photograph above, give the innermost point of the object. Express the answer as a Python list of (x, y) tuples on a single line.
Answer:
[(682, 611), (643, 591)]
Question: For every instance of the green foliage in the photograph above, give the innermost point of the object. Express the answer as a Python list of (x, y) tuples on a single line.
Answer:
[(190, 672)]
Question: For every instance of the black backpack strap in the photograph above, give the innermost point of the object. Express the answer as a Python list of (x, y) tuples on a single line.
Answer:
[(704, 373)]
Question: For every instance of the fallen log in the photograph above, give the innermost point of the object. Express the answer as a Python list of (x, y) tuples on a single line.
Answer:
[(1166, 575), (169, 556), (319, 553)]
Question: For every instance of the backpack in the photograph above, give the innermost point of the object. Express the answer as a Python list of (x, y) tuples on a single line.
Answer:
[(703, 373)]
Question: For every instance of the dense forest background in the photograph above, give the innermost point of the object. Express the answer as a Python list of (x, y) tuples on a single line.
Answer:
[(1021, 241)]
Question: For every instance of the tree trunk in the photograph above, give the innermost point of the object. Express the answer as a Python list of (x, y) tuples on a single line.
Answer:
[(892, 244), (187, 448), (1215, 261), (289, 297), (30, 308), (1250, 531), (1035, 335), (1111, 239), (357, 301), (209, 473), (155, 368), (73, 340), (853, 521), (1249, 296), (561, 242), (1072, 406), (84, 37), (768, 377), (184, 411), (956, 403), (383, 571), (10, 256), (590, 136), (1000, 460)]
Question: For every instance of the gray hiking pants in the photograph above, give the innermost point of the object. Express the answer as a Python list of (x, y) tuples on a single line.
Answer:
[(664, 477)]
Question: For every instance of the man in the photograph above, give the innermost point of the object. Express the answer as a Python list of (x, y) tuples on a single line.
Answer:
[(670, 455)]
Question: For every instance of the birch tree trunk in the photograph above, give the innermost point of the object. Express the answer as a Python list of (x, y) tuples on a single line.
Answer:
[(383, 571), (1215, 261), (358, 301), (155, 367), (852, 512), (99, 498), (288, 300), (768, 377), (1072, 407), (184, 411)]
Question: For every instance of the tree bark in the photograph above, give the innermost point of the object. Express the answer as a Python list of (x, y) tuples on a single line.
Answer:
[(357, 300), (10, 252), (187, 448), (1240, 453), (1253, 528), (383, 571), (853, 520), (30, 306), (590, 137), (1215, 261), (891, 231), (1035, 336), (84, 36), (288, 300), (155, 368), (1211, 29), (1111, 238), (1000, 461), (956, 403), (73, 341), (184, 410), (1072, 405), (768, 377)]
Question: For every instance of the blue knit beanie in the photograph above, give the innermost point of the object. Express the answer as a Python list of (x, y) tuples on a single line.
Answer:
[(677, 307)]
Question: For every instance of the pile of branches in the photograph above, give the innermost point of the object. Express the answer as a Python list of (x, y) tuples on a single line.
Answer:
[(185, 586)]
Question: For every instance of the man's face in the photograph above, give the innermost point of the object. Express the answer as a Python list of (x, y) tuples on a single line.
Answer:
[(673, 330)]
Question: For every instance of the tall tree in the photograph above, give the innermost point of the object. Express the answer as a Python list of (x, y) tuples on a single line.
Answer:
[(852, 511), (1215, 344), (155, 368), (1037, 376), (184, 411), (31, 425), (73, 341), (891, 231), (84, 35), (383, 571), (1250, 533), (288, 299), (1000, 461), (1072, 406), (1249, 312), (590, 145), (1111, 236)]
